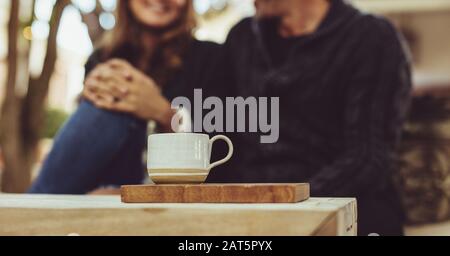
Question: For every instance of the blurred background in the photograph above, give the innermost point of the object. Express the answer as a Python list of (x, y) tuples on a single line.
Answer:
[(55, 38)]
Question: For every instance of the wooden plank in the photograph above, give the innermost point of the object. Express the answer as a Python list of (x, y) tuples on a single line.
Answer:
[(106, 215), (216, 193), (160, 222), (328, 227)]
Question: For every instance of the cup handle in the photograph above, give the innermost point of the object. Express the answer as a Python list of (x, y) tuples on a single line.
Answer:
[(230, 150)]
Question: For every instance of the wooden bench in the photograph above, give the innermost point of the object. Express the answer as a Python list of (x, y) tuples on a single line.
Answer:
[(107, 215)]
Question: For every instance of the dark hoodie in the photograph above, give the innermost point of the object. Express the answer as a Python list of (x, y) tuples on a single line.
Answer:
[(343, 93)]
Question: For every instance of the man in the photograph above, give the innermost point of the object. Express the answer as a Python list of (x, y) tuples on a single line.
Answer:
[(343, 79)]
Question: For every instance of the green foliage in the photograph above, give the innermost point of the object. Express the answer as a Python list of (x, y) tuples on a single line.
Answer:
[(54, 119), (423, 175)]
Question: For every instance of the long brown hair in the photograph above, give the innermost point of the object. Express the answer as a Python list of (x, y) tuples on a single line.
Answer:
[(125, 42)]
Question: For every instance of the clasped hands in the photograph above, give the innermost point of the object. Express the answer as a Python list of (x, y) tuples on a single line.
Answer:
[(118, 86)]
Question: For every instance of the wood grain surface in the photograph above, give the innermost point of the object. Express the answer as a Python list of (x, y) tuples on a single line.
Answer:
[(107, 215), (216, 193)]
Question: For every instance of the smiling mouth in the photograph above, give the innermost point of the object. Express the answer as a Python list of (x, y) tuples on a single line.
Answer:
[(156, 7)]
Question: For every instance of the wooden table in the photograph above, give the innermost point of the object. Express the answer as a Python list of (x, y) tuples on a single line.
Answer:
[(106, 215)]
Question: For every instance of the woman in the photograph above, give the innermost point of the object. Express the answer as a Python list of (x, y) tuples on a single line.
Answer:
[(343, 80), (150, 58)]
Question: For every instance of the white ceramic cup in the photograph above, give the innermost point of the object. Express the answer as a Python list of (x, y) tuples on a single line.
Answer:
[(182, 158)]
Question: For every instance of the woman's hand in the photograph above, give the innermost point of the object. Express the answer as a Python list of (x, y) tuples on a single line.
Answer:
[(116, 85)]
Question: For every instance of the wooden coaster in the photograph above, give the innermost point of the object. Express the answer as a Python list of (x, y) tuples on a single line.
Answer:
[(216, 193)]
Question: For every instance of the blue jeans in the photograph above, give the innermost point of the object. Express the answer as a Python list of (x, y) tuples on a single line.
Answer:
[(95, 148)]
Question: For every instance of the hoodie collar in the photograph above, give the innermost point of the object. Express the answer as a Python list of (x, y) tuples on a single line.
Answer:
[(340, 12)]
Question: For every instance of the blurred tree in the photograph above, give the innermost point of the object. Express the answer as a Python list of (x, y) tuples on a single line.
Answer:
[(23, 115), (9, 121)]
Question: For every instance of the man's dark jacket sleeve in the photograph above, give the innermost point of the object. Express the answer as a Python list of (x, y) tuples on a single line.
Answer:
[(376, 100)]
